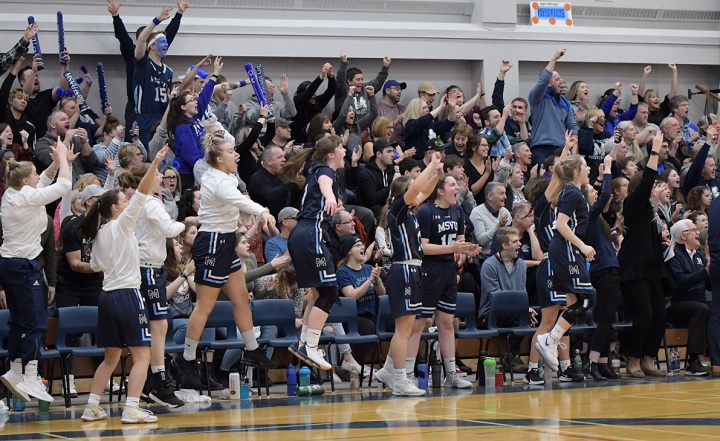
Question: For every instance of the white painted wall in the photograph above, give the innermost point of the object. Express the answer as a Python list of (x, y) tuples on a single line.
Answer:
[(446, 49)]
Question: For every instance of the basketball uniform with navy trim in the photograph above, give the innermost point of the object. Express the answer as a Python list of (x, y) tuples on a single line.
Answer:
[(568, 264), (403, 280), (544, 282), (307, 243), (440, 226), (152, 94)]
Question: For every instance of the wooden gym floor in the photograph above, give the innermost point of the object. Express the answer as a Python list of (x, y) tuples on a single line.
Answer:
[(676, 408)]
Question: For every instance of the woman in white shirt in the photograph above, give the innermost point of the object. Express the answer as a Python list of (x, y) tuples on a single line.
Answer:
[(217, 265), (24, 219), (110, 222), (152, 229)]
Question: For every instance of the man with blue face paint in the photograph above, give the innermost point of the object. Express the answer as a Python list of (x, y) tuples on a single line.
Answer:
[(152, 76)]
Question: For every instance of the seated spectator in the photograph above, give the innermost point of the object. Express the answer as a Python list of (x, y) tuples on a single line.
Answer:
[(459, 137), (688, 308), (699, 199), (489, 217), (504, 271), (361, 282), (286, 222), (172, 189), (382, 128)]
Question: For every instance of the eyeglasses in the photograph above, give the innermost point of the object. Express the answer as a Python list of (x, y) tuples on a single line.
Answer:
[(691, 230), (351, 221), (169, 178), (530, 213)]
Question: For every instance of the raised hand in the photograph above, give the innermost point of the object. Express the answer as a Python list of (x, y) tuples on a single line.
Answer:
[(559, 54), (182, 6), (634, 89), (672, 66), (387, 60), (647, 70), (17, 65), (327, 67), (505, 66), (110, 163), (217, 66), (30, 32), (165, 14), (113, 8), (370, 90), (161, 154), (343, 57), (283, 86)]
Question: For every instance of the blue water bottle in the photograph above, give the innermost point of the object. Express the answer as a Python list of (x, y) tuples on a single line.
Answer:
[(304, 376), (291, 380), (244, 388), (18, 405), (422, 375)]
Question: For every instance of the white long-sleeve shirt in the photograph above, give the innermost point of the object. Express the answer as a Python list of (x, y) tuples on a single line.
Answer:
[(221, 203), (151, 229), (24, 217), (115, 251)]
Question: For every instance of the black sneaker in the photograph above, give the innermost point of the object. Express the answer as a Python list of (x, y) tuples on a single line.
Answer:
[(214, 383), (258, 357), (166, 397), (187, 372), (696, 369), (569, 375), (533, 377)]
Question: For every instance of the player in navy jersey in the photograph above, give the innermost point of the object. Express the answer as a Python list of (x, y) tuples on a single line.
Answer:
[(568, 256), (403, 280), (308, 245), (152, 76), (442, 234)]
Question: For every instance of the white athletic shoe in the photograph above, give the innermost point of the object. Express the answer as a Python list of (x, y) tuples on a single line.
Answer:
[(547, 347), (412, 379), (136, 415), (407, 389), (11, 380), (385, 377), (93, 413), (456, 382), (351, 366), (73, 390), (317, 358), (112, 384), (3, 407), (34, 387)]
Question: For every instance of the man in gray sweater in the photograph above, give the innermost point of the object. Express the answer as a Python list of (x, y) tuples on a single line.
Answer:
[(489, 217)]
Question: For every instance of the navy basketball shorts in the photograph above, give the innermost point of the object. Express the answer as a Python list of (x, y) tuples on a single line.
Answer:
[(122, 319), (153, 287), (215, 258), (403, 288), (439, 287), (311, 257), (545, 284)]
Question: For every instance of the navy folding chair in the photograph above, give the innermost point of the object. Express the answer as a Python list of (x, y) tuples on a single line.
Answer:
[(510, 304), (465, 311)]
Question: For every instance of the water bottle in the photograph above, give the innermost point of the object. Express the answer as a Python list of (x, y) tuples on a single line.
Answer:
[(234, 385), (291, 373), (245, 388), (499, 377), (313, 389), (481, 369), (436, 374), (674, 360), (489, 369), (18, 405), (304, 376), (44, 406), (354, 381), (422, 375), (577, 361)]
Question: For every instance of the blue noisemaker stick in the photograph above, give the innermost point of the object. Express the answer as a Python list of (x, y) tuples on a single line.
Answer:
[(61, 37), (255, 83), (260, 72), (103, 88), (36, 42), (84, 69), (75, 89)]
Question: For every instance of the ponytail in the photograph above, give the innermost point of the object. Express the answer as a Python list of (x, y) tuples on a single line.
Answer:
[(99, 213)]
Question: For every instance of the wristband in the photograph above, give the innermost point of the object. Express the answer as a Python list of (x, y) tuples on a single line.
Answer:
[(654, 153), (482, 94), (184, 276), (156, 21)]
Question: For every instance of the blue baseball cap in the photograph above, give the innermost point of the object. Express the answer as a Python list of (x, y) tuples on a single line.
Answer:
[(201, 73), (391, 83)]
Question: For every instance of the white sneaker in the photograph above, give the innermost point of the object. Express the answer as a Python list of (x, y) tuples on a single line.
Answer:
[(351, 366), (114, 385), (456, 382), (11, 380), (406, 388), (3, 407), (136, 415), (385, 377), (93, 413), (34, 387), (412, 379), (317, 358), (547, 347), (73, 390)]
